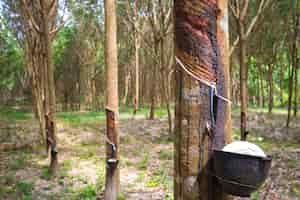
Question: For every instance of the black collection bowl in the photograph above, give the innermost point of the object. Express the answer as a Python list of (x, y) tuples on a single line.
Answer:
[(240, 174)]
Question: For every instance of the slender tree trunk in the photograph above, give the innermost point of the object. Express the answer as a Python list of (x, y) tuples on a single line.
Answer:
[(296, 88), (291, 77), (193, 146), (294, 54), (112, 180), (243, 80), (270, 77), (137, 60), (262, 90), (126, 88), (50, 102), (153, 82), (281, 84), (164, 80)]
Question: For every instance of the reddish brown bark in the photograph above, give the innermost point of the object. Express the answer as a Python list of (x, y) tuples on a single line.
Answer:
[(202, 46)]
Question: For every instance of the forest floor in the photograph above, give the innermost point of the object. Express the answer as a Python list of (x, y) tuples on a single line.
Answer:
[(146, 156)]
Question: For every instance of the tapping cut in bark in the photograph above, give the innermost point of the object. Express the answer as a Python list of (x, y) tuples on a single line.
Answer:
[(201, 38), (51, 143)]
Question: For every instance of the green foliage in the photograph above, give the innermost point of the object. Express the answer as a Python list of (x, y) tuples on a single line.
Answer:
[(295, 190), (159, 178), (100, 183), (5, 191), (91, 118), (61, 44), (121, 197), (11, 61), (13, 115), (24, 190), (142, 165), (255, 196), (46, 175), (166, 155), (169, 197), (19, 162), (86, 193)]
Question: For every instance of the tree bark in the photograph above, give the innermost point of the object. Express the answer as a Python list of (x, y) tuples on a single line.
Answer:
[(281, 84), (294, 54), (243, 80), (290, 91), (270, 77), (193, 146), (112, 180), (153, 81), (137, 59), (296, 97)]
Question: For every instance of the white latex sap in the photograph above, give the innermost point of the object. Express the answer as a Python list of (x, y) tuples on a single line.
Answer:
[(245, 148)]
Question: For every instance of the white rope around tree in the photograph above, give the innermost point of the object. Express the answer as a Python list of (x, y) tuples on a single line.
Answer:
[(209, 84)]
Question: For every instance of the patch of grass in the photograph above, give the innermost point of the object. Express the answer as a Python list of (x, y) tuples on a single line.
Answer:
[(46, 175), (165, 155), (165, 139), (5, 191), (159, 178), (86, 193), (24, 189), (153, 182), (65, 167), (128, 139), (142, 165), (121, 196), (77, 119), (13, 115), (295, 190), (266, 145), (141, 176), (100, 183), (254, 196), (94, 119), (20, 162), (292, 164), (7, 179), (169, 197), (292, 145)]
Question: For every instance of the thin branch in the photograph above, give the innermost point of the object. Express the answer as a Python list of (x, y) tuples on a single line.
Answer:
[(233, 11), (54, 31), (262, 6), (245, 10)]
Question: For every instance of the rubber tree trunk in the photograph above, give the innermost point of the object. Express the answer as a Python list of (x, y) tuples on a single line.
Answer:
[(296, 96), (49, 87), (112, 133), (290, 92), (270, 77), (193, 144), (243, 80), (153, 81), (137, 60), (296, 21), (281, 84)]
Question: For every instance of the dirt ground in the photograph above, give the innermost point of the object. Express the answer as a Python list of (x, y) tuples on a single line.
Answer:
[(146, 161)]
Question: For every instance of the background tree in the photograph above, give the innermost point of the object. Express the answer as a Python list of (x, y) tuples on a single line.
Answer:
[(240, 10), (111, 60)]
